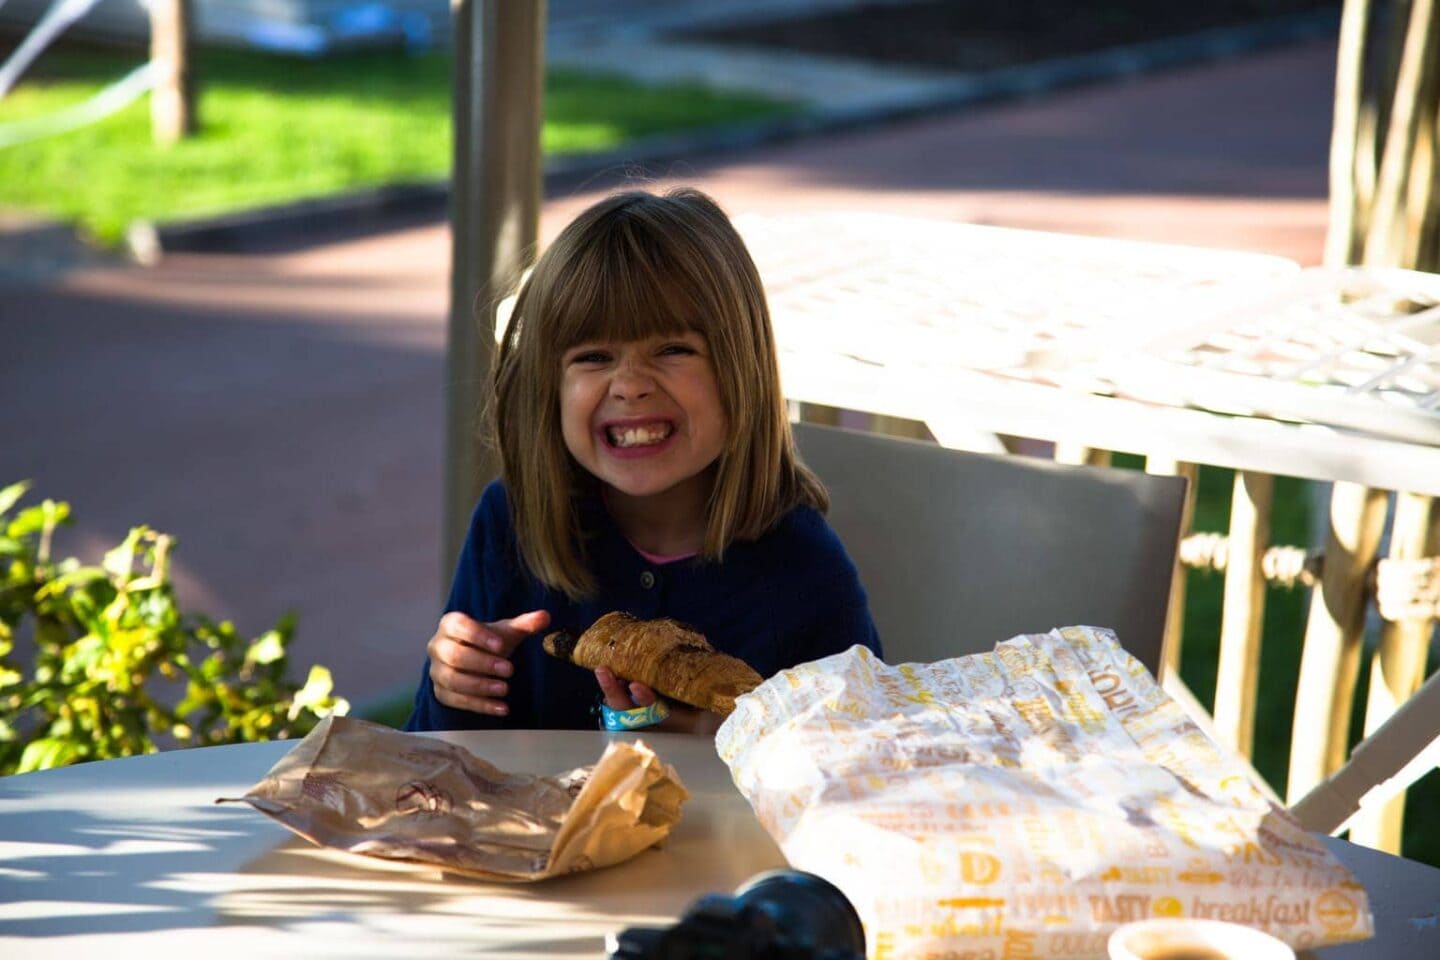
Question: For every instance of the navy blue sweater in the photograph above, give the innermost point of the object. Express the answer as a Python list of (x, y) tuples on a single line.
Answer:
[(791, 596)]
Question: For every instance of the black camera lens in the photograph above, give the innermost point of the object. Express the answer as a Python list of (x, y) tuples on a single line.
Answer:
[(779, 915), (810, 910)]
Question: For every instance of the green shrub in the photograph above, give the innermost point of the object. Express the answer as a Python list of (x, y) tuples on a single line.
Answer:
[(118, 668)]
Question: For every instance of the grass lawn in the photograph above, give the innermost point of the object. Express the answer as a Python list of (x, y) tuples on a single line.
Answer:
[(279, 128)]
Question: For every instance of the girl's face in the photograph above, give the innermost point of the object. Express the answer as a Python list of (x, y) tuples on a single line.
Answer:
[(643, 416)]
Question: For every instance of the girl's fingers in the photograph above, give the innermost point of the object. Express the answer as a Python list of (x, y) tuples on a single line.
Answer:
[(500, 638), (464, 629), (617, 696), (682, 719), (525, 624), (642, 695), (463, 658), (458, 633), (466, 684), (627, 696), (483, 705), (469, 666), (467, 692), (503, 636)]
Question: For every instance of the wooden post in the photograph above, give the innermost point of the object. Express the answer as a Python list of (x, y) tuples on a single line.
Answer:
[(1175, 614), (897, 427), (172, 99), (494, 222), (1383, 186), (818, 413), (1080, 455), (1333, 636), (1403, 185), (1244, 609), (1398, 666), (1351, 150)]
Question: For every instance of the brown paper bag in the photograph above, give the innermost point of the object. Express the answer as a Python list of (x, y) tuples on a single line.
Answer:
[(1022, 803), (367, 789)]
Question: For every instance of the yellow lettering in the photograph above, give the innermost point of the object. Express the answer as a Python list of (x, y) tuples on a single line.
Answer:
[(1019, 945), (1119, 909), (980, 868)]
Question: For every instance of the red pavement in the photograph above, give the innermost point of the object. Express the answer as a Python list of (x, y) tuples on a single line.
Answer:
[(282, 413)]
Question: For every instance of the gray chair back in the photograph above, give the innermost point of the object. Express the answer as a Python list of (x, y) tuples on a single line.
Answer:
[(959, 551)]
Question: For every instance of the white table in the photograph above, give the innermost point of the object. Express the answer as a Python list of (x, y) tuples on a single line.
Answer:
[(977, 330), (133, 858)]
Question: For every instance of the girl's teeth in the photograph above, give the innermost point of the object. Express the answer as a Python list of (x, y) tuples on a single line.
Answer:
[(638, 436)]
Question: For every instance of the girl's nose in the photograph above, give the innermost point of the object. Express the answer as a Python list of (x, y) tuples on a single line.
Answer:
[(631, 383)]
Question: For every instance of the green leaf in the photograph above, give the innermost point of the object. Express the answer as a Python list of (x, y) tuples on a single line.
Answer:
[(11, 495), (268, 648), (315, 695), (27, 522), (85, 606), (155, 608), (120, 561), (128, 644), (51, 636), (73, 578), (46, 753), (81, 657)]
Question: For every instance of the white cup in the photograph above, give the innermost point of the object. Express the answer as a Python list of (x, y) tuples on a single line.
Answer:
[(1181, 939)]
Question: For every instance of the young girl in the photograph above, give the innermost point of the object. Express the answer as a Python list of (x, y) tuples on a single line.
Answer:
[(646, 466)]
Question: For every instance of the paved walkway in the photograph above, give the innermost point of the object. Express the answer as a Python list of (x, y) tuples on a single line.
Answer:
[(645, 40), (282, 412)]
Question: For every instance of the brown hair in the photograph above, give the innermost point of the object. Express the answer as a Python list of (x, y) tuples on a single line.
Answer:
[(634, 265)]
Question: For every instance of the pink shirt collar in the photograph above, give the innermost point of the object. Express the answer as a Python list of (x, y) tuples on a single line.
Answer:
[(658, 559)]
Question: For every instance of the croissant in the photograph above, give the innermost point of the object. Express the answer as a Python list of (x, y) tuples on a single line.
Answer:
[(662, 654)]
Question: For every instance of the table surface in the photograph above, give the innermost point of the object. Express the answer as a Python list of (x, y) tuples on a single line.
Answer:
[(133, 857), (978, 331)]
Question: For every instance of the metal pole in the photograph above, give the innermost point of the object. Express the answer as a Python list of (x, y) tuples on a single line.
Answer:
[(494, 221)]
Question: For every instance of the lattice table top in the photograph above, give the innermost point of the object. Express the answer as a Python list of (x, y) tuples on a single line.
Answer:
[(1228, 332), (1349, 348)]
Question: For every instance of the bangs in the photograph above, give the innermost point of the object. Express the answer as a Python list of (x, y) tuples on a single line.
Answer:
[(628, 286)]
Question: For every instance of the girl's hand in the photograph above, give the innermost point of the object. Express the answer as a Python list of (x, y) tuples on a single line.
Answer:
[(620, 695), (470, 661)]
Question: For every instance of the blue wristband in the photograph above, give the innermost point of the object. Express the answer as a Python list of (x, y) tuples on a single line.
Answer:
[(634, 719)]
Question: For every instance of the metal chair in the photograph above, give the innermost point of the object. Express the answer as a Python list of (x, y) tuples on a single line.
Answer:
[(959, 551)]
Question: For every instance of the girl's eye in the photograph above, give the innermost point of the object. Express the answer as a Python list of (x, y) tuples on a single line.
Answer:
[(677, 350), (590, 356)]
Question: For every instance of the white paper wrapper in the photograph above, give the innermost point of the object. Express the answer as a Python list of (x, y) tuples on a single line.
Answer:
[(1022, 803)]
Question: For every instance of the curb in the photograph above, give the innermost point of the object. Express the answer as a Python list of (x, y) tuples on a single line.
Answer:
[(388, 207), (40, 250)]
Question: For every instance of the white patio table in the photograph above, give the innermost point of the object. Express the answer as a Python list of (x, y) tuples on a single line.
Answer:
[(133, 858), (1103, 343)]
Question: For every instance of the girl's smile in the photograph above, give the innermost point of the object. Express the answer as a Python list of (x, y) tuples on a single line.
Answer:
[(637, 438), (644, 416)]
